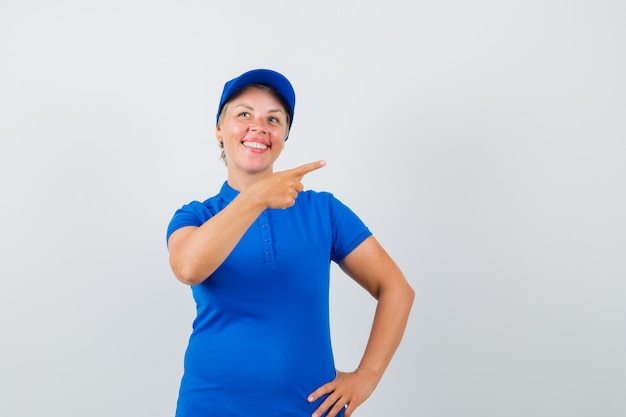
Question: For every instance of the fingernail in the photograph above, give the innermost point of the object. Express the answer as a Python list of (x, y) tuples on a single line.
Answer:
[(310, 399)]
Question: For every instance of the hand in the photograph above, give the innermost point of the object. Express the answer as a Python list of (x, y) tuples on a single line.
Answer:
[(281, 189), (348, 389)]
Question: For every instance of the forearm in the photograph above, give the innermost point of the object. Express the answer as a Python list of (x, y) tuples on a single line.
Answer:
[(389, 324), (204, 249)]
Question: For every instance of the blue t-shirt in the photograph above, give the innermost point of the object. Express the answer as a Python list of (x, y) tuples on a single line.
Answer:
[(261, 338)]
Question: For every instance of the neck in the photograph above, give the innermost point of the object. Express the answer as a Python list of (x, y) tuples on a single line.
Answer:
[(241, 180)]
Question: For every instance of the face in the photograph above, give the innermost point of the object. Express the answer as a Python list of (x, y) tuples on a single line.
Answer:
[(252, 128)]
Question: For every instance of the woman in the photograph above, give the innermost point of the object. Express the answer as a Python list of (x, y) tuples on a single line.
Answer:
[(257, 257)]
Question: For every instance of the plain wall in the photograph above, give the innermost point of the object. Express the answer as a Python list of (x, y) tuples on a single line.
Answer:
[(482, 142)]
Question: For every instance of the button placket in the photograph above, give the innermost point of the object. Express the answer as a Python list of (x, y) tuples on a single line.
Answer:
[(266, 238)]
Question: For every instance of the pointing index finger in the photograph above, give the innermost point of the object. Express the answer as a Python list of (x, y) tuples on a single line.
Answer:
[(302, 170)]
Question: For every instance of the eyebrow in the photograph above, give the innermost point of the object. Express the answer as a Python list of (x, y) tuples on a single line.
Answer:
[(251, 108)]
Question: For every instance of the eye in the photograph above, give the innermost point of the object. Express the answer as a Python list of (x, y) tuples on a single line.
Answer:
[(244, 114), (274, 119)]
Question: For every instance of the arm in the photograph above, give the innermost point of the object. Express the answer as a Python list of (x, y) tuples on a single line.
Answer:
[(372, 268), (196, 252)]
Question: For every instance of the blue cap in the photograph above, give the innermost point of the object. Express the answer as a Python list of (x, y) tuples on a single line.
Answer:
[(264, 77)]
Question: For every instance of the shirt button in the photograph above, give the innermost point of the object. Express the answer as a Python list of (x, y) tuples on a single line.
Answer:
[(267, 239), (264, 226), (268, 252)]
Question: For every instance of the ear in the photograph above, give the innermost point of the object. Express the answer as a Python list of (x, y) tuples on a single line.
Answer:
[(218, 134)]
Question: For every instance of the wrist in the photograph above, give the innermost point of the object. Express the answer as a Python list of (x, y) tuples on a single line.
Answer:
[(369, 372), (251, 202)]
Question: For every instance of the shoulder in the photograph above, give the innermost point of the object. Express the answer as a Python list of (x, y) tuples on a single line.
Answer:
[(324, 197), (211, 205), (317, 200), (325, 202), (316, 197), (206, 207), (195, 213)]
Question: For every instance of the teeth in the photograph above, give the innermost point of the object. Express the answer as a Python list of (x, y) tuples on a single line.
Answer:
[(254, 145)]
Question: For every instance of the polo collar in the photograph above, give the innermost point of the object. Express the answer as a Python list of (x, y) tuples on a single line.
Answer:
[(228, 193)]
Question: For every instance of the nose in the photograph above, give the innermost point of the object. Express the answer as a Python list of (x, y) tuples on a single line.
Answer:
[(258, 124)]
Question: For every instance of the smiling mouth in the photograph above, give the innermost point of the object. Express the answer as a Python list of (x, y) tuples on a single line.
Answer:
[(254, 145)]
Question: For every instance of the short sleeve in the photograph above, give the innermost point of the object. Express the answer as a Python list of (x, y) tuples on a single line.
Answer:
[(192, 214), (348, 230)]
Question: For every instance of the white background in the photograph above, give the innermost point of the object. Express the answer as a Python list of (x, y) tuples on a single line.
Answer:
[(481, 141)]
